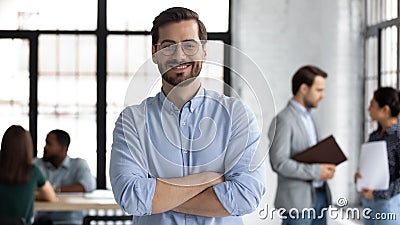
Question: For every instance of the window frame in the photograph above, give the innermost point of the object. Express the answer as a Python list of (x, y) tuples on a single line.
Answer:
[(374, 30)]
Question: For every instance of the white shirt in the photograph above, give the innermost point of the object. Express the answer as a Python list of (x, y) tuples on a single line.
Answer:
[(305, 115)]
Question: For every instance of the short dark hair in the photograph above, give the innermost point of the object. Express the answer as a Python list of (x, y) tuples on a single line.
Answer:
[(62, 137), (176, 14), (390, 97), (306, 75)]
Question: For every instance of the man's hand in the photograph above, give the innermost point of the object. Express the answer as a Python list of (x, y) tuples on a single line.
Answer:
[(357, 176), (204, 204), (327, 171)]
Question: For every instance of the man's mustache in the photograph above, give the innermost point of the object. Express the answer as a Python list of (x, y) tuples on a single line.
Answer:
[(173, 63)]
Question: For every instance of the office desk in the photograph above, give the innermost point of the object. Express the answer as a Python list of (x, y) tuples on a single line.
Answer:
[(97, 200)]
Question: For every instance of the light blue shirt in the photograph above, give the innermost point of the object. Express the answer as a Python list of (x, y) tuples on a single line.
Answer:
[(71, 171), (306, 117), (212, 132)]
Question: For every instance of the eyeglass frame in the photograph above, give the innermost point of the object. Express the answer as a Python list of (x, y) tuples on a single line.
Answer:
[(173, 43)]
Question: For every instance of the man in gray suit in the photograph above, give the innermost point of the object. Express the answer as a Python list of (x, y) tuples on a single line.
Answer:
[(301, 187)]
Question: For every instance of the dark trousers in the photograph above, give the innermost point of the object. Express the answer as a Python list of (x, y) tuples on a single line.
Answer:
[(321, 202)]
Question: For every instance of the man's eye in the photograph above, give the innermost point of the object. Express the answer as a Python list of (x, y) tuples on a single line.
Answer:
[(167, 45), (190, 45)]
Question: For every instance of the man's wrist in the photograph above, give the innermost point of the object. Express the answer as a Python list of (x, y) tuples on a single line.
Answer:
[(57, 189)]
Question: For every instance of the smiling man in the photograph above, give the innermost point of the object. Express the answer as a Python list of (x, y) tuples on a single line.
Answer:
[(183, 156)]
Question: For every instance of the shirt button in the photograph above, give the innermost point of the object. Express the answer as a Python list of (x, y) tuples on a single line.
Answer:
[(185, 151), (184, 123)]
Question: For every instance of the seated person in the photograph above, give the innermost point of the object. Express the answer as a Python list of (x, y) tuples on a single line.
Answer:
[(65, 174), (20, 181)]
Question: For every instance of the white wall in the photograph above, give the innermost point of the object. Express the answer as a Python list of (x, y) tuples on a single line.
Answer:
[(282, 35)]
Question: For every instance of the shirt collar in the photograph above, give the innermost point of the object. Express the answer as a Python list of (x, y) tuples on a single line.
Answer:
[(391, 130), (197, 100), (300, 108), (65, 164), (165, 103), (193, 103)]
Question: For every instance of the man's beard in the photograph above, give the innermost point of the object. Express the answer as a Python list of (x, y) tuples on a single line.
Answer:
[(50, 158), (309, 104), (175, 80)]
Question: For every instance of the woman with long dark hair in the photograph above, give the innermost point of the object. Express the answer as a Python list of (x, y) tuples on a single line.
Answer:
[(385, 108), (21, 182)]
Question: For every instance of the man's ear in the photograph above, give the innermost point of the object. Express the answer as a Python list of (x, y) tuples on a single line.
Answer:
[(64, 149), (303, 88), (153, 54)]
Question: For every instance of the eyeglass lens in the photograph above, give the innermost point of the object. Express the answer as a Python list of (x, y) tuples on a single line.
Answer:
[(188, 47)]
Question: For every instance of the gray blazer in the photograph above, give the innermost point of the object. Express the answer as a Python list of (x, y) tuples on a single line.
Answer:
[(295, 188)]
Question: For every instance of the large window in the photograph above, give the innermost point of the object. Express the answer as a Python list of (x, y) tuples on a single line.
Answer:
[(14, 85), (48, 15), (381, 50), (67, 92), (68, 67), (129, 15)]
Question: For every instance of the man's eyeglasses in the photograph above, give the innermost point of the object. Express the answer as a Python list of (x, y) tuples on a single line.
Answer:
[(190, 47)]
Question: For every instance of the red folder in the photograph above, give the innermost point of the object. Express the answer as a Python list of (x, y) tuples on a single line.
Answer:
[(325, 151)]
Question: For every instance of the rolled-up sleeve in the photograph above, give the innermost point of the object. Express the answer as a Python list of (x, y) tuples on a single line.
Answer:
[(84, 176), (133, 189), (241, 193), (243, 188)]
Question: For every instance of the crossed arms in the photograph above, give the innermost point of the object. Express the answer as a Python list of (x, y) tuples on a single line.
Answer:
[(188, 195), (237, 192)]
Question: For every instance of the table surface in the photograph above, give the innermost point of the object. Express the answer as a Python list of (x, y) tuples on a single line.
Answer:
[(99, 199)]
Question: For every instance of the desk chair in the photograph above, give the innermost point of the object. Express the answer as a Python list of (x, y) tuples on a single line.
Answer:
[(89, 220), (11, 220)]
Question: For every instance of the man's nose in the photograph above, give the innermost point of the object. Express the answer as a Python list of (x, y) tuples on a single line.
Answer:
[(179, 53)]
